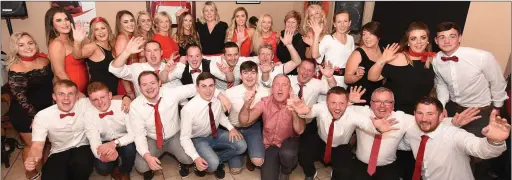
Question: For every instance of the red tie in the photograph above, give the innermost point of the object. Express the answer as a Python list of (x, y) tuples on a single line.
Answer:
[(158, 125), (68, 114), (102, 115), (212, 121), (419, 158), (451, 58), (423, 55), (230, 84), (328, 146), (300, 91), (372, 163), (157, 71), (195, 71)]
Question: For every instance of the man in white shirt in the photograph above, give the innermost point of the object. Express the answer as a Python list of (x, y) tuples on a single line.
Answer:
[(201, 136), (443, 151), (187, 73), (155, 124), (108, 131), (153, 53), (336, 121), (467, 77), (252, 133), (70, 156)]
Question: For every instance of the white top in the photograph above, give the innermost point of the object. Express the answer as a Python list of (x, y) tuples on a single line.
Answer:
[(343, 127), (223, 85), (447, 152), (474, 81), (65, 133), (180, 67), (310, 91), (236, 97), (142, 115), (109, 127), (276, 71), (196, 122), (131, 73), (334, 51)]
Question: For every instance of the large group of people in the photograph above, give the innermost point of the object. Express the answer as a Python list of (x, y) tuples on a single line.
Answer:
[(123, 96)]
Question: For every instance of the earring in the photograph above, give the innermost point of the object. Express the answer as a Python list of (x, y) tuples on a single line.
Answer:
[(407, 44)]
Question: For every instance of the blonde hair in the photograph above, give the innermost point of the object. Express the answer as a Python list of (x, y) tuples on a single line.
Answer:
[(233, 25), (209, 4), (159, 17), (119, 27), (257, 36), (307, 20), (12, 54), (139, 28), (110, 39)]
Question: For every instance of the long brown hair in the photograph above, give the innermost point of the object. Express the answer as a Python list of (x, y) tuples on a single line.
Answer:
[(139, 28), (180, 33), (233, 25), (404, 48), (51, 32), (119, 27)]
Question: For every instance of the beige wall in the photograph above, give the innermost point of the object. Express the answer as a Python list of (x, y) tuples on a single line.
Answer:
[(488, 27)]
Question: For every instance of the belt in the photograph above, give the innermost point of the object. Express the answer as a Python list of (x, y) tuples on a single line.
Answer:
[(462, 108)]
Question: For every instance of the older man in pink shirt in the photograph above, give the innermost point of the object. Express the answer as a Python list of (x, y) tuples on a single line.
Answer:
[(281, 129)]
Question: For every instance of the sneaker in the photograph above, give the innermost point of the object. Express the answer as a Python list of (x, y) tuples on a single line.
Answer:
[(284, 176), (312, 177), (199, 173), (183, 168), (148, 175), (220, 173)]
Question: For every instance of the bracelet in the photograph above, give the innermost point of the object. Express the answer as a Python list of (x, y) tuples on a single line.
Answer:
[(126, 96)]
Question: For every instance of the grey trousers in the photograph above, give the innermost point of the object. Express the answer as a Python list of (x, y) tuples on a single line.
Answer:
[(171, 145)]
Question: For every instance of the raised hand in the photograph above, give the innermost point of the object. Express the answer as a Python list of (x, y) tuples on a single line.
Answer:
[(249, 96), (79, 33), (466, 116), (308, 40), (316, 26), (240, 35), (223, 67), (169, 66), (181, 11), (134, 45), (296, 104), (327, 69), (267, 67), (288, 37), (389, 52), (356, 92), (498, 129), (384, 124)]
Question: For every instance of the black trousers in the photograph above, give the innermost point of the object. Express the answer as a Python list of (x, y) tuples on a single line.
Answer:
[(72, 164), (406, 162), (341, 158), (280, 159), (387, 172)]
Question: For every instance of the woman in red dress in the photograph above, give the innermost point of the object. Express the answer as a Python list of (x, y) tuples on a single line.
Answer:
[(59, 37), (162, 28), (239, 33), (265, 35), (125, 30)]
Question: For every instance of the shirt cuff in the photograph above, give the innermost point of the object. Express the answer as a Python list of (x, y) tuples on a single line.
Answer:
[(497, 104)]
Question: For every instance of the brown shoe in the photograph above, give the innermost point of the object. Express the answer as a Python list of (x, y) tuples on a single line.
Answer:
[(116, 174), (250, 166), (125, 176)]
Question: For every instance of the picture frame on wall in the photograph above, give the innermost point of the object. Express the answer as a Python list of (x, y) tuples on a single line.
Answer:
[(171, 7), (248, 2)]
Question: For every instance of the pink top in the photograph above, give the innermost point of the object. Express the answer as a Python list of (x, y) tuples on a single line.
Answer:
[(272, 40), (277, 122)]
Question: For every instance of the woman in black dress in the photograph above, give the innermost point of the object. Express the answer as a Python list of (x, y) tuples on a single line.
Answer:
[(186, 33), (98, 52), (409, 75), (362, 59), (292, 21), (212, 31), (30, 79)]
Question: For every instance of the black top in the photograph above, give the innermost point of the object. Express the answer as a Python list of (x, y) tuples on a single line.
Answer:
[(408, 83), (370, 86), (99, 71), (284, 55), (30, 92), (186, 77), (212, 43), (184, 42)]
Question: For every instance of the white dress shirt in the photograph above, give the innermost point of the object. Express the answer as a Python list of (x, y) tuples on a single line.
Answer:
[(108, 128), (131, 73), (448, 150), (65, 133), (142, 115), (196, 122), (475, 80), (343, 127), (310, 91), (236, 96), (223, 85), (180, 67)]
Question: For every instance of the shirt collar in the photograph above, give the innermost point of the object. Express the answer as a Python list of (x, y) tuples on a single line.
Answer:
[(200, 67), (437, 131), (454, 53), (146, 101)]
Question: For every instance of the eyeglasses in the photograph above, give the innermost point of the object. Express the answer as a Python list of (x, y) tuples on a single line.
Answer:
[(386, 103)]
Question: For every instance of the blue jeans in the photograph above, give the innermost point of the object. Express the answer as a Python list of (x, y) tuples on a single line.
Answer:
[(254, 140), (126, 154), (219, 149)]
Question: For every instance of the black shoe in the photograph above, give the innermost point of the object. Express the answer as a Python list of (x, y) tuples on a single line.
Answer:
[(220, 173), (183, 170), (284, 176), (199, 173), (148, 175)]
